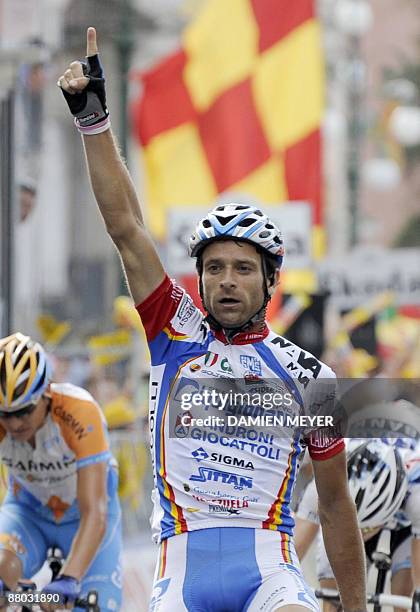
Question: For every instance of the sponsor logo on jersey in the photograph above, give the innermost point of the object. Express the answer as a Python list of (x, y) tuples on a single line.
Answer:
[(210, 359), (181, 430), (251, 379), (251, 363), (158, 592), (200, 455), (216, 509), (276, 594), (226, 503), (216, 494), (195, 367), (185, 312), (303, 366), (77, 428), (206, 474), (256, 442), (225, 366), (186, 385), (30, 465)]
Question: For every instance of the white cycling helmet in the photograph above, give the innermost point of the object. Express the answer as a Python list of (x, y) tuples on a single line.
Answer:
[(377, 481), (242, 222)]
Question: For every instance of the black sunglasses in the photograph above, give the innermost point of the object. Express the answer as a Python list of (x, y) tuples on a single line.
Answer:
[(18, 414)]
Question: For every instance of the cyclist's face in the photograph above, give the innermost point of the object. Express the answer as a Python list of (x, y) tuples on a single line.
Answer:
[(232, 282), (23, 428)]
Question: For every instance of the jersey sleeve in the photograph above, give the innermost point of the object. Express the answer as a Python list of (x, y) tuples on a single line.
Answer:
[(308, 507), (169, 315), (324, 445), (412, 505), (321, 400), (84, 429)]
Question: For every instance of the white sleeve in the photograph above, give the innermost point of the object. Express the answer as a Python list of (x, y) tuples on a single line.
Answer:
[(412, 509), (308, 507)]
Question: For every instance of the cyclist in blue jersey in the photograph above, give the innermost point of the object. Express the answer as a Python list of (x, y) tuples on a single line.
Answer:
[(62, 488), (222, 495)]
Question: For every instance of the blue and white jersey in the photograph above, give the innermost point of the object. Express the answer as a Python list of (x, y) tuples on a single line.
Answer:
[(408, 514), (221, 474)]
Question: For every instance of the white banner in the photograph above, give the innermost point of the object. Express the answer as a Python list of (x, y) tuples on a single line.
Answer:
[(294, 220), (354, 279)]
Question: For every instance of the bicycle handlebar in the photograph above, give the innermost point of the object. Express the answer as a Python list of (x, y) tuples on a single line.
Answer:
[(384, 599)]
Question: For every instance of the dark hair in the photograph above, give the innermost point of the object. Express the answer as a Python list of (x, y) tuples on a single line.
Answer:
[(271, 266)]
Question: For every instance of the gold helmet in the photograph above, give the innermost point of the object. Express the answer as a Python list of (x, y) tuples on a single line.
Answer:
[(24, 372)]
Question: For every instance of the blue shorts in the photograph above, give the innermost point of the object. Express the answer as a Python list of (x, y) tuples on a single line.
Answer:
[(229, 568), (29, 536)]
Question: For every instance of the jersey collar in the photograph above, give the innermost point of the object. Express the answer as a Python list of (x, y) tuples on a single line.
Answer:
[(250, 337)]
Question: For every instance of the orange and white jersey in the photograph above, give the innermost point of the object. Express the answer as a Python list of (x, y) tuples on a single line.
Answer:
[(73, 436)]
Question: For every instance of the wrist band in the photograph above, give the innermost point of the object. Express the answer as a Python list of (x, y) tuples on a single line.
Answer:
[(97, 128)]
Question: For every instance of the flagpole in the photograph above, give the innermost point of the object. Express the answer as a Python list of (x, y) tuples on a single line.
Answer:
[(125, 49), (7, 190)]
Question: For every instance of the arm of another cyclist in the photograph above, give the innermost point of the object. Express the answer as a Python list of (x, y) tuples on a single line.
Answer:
[(116, 196), (412, 510), (341, 534), (92, 500), (306, 520)]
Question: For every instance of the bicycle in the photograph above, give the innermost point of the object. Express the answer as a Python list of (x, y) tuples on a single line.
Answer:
[(26, 589), (382, 561)]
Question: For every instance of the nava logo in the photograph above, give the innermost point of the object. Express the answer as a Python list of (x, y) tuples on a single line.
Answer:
[(200, 454), (159, 591)]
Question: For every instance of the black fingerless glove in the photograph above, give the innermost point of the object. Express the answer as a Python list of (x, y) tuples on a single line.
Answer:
[(91, 115)]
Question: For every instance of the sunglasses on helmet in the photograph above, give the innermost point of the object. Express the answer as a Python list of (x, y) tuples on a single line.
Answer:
[(18, 414)]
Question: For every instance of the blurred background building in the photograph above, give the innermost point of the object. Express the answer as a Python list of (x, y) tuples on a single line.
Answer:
[(342, 178), (56, 259)]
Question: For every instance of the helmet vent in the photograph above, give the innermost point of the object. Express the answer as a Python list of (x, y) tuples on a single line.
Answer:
[(225, 220), (246, 222), (3, 376), (359, 498), (20, 389), (264, 234), (40, 383), (206, 223)]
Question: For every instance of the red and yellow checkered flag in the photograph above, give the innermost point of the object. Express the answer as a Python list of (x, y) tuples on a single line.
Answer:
[(238, 108)]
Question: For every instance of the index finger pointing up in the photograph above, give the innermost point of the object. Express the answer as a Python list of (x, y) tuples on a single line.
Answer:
[(91, 47)]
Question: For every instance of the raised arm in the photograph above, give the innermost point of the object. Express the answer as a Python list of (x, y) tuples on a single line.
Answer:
[(111, 182)]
